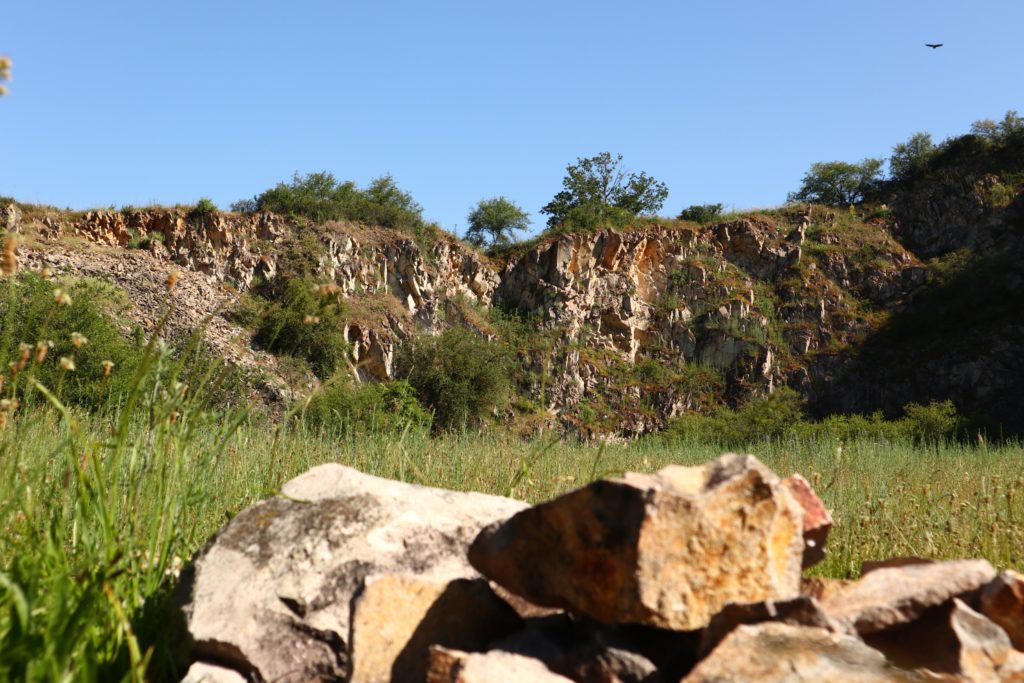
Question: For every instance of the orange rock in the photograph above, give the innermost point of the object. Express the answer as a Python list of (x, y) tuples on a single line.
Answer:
[(817, 520), (666, 550)]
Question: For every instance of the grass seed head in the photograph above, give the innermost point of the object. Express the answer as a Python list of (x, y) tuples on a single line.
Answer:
[(67, 363), (78, 340), (108, 365), (172, 280), (61, 297), (9, 262), (42, 348)]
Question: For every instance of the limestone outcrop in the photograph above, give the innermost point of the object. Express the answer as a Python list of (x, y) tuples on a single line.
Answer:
[(639, 326)]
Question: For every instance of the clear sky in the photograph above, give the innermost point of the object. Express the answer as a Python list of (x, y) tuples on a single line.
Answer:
[(135, 102)]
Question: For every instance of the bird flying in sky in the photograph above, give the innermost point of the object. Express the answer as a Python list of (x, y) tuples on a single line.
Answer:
[(933, 45)]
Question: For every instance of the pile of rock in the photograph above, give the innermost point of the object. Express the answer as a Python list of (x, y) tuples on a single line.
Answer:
[(691, 574)]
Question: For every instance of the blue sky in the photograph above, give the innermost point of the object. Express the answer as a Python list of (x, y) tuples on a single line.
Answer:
[(137, 102)]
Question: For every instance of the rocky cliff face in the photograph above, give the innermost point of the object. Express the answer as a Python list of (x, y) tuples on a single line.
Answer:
[(629, 328)]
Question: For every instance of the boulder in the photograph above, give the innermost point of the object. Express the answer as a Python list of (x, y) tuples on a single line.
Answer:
[(800, 611), (868, 566), (455, 666), (780, 652), (952, 639), (585, 651), (667, 550), (272, 593), (821, 587), (817, 519), (898, 595), (1002, 601), (397, 618), (200, 672)]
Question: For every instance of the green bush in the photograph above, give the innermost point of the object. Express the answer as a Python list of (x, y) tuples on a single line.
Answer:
[(346, 409), (701, 213), (934, 423), (761, 418), (321, 198), (459, 375), (305, 322), (73, 320), (204, 207)]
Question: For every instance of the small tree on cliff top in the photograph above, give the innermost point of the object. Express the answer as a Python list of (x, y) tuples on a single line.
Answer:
[(838, 183), (493, 222), (598, 191)]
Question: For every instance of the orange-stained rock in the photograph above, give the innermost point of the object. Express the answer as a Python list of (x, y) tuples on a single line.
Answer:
[(1002, 601), (801, 611), (817, 520), (898, 595), (955, 640), (777, 652), (396, 618), (666, 550)]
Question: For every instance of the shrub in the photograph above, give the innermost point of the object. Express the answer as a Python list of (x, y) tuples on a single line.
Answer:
[(761, 418), (701, 213), (246, 206), (460, 376), (346, 409), (934, 423), (306, 323), (321, 198), (204, 207), (81, 330)]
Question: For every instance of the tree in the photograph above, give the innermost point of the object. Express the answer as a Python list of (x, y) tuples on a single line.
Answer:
[(493, 221), (910, 158), (598, 191), (838, 183)]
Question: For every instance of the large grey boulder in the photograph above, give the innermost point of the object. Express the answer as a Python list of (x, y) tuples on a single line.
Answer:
[(272, 594)]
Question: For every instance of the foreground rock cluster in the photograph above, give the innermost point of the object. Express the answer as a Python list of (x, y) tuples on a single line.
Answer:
[(691, 574)]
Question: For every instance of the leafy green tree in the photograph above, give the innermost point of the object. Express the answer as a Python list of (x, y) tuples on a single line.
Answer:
[(911, 157), (1011, 126), (493, 221), (839, 183), (598, 191)]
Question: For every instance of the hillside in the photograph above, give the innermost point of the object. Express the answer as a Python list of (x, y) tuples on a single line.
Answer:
[(906, 298)]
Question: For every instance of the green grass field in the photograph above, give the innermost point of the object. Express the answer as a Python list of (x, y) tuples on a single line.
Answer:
[(98, 515)]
